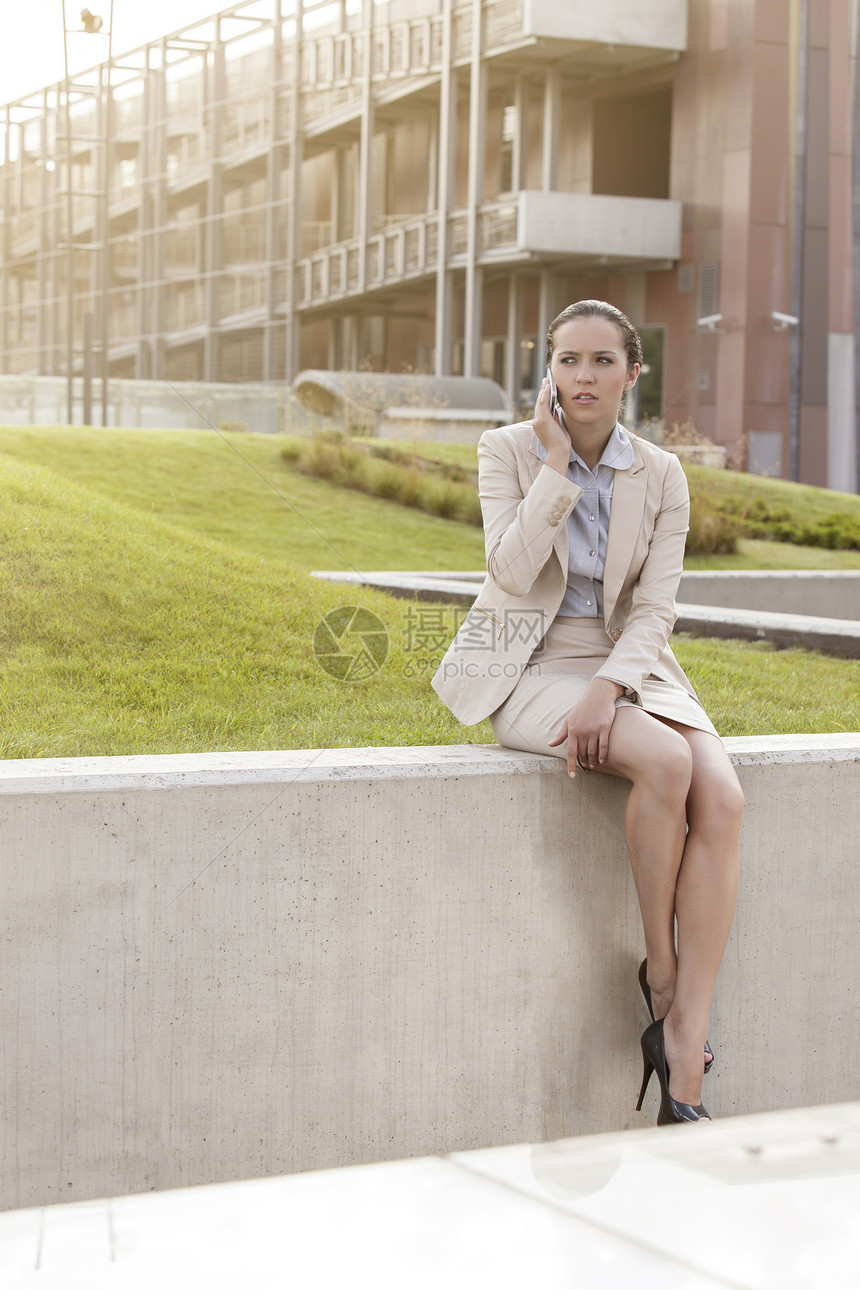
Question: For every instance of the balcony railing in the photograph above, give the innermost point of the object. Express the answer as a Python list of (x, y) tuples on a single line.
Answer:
[(620, 230)]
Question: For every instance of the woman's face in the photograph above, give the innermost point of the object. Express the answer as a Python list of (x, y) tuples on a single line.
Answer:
[(589, 363)]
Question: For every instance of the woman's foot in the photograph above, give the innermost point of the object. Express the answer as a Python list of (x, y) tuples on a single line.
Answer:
[(659, 991), (660, 988), (683, 1061)]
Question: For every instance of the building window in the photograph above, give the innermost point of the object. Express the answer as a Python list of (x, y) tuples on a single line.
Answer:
[(649, 406)]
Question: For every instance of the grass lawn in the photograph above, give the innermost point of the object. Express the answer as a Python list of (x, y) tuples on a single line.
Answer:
[(155, 599)]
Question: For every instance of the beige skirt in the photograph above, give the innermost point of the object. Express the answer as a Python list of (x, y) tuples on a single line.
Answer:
[(557, 676)]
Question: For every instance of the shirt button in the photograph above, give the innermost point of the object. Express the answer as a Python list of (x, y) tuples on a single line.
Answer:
[(592, 553), (591, 517), (589, 602)]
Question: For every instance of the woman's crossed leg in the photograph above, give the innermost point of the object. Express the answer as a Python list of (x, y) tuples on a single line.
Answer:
[(682, 823)]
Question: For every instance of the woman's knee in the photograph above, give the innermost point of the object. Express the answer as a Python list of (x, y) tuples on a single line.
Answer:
[(716, 798), (664, 765)]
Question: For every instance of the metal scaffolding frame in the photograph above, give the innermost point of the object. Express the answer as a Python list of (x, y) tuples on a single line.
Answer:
[(181, 246)]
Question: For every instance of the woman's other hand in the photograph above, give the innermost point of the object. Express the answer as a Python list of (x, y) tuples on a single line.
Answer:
[(588, 725), (551, 433)]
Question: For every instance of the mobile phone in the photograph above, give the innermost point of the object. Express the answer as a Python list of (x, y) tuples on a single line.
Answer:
[(553, 393), (554, 409)]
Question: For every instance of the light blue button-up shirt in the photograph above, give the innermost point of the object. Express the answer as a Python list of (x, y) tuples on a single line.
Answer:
[(588, 524)]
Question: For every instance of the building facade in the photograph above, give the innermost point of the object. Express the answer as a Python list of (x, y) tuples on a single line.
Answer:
[(422, 184)]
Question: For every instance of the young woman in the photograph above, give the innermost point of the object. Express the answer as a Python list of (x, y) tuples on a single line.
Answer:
[(566, 650)]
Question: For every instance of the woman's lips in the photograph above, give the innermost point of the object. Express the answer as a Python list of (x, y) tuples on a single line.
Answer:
[(585, 398)]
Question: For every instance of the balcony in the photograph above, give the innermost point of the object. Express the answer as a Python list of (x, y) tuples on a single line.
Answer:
[(640, 231), (574, 228), (624, 24), (602, 39)]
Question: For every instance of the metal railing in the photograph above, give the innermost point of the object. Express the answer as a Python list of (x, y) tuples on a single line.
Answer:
[(398, 252)]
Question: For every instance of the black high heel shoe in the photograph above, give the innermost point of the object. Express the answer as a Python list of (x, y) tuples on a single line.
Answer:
[(654, 1059), (646, 990)]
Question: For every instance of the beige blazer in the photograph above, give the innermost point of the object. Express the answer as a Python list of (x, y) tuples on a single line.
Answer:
[(525, 505)]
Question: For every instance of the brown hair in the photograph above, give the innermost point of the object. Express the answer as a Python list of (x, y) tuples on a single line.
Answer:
[(598, 309)]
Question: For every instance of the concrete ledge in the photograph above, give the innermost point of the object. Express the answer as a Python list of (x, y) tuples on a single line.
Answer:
[(832, 635), (837, 635), (817, 594), (821, 593), (244, 964)]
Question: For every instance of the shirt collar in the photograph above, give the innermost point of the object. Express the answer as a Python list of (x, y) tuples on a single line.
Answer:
[(618, 452)]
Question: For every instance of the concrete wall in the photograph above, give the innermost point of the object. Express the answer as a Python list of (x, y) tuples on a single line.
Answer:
[(225, 966), (816, 593)]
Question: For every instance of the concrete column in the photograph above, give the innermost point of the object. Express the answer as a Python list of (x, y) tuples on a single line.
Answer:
[(273, 206), (43, 234), (512, 342), (518, 158), (214, 211), (447, 122), (841, 459), (433, 168), (336, 197), (365, 145), (144, 236), (815, 312), (294, 227), (156, 218), (473, 325), (334, 345), (56, 262), (5, 225), (841, 428), (546, 312), (551, 125)]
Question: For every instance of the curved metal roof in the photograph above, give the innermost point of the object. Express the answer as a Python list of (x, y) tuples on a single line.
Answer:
[(373, 393)]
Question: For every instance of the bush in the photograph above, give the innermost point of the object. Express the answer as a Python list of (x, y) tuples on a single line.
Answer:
[(384, 470), (759, 518), (711, 532)]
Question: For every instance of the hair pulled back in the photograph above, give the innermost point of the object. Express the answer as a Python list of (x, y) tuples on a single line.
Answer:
[(598, 309)]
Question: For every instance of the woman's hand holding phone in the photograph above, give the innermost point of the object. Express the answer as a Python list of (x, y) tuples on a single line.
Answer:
[(551, 433)]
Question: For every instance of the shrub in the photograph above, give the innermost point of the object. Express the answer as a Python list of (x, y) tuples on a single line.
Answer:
[(385, 470), (711, 532)]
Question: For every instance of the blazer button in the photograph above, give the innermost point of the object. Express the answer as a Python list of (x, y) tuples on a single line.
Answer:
[(616, 633), (566, 501), (553, 523)]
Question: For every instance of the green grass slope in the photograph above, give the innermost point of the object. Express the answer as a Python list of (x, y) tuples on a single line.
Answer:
[(155, 598), (253, 502), (123, 633)]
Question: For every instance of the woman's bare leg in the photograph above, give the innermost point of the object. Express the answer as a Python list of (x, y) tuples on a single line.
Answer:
[(680, 777), (658, 763), (707, 888)]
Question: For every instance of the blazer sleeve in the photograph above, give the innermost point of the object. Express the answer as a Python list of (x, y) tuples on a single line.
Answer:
[(520, 524), (652, 613)]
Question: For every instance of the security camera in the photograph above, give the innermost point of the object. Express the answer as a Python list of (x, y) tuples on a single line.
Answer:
[(782, 322), (711, 323)]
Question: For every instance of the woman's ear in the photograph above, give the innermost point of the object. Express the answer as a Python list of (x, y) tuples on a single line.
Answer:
[(632, 376)]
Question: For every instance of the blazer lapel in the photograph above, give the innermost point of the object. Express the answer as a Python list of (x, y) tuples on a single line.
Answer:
[(625, 523)]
